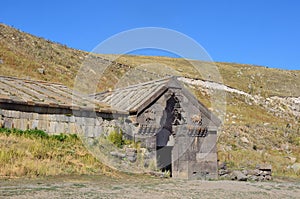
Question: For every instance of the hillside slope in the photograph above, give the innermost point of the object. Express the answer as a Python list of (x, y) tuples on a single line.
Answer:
[(262, 104)]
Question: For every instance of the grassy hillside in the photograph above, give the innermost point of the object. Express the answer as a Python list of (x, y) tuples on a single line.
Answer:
[(22, 54), (249, 78), (270, 126)]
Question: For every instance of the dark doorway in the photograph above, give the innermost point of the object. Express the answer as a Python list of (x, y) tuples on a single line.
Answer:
[(164, 158), (165, 138)]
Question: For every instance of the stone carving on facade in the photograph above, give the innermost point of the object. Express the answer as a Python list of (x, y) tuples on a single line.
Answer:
[(197, 119), (150, 115), (178, 113)]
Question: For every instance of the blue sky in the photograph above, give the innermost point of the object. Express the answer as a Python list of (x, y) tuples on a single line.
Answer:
[(260, 32)]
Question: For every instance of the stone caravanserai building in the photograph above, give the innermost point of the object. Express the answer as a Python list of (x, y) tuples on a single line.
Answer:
[(178, 132)]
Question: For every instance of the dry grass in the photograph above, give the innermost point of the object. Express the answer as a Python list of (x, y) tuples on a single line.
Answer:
[(24, 155), (245, 77), (271, 145)]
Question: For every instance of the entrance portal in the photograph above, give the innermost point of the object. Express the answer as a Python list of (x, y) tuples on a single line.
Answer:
[(164, 158), (164, 138)]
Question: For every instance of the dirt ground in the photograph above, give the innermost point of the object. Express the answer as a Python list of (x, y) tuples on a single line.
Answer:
[(143, 187)]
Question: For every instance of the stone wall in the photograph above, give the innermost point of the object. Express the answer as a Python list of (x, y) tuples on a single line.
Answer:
[(89, 124)]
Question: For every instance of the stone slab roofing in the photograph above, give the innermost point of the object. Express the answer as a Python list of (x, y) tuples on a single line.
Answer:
[(134, 99), (45, 94)]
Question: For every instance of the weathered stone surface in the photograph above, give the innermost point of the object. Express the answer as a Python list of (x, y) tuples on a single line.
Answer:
[(223, 173), (35, 116), (238, 175), (118, 154), (98, 131), (131, 154), (26, 115), (52, 117), (89, 121), (268, 177), (5, 113), (180, 169), (223, 166), (296, 167), (72, 128), (99, 121), (264, 167), (42, 117), (255, 172), (20, 124), (253, 175), (89, 131), (71, 119), (8, 122), (15, 114), (60, 127), (244, 140), (208, 157), (52, 127), (43, 125), (131, 158), (34, 124), (41, 71)]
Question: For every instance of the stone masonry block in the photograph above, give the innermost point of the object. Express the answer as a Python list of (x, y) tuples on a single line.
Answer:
[(13, 114), (34, 124), (71, 119), (52, 126), (8, 122), (206, 157), (89, 121), (98, 131), (72, 128), (99, 121), (35, 116), (5, 113), (43, 125), (89, 131)]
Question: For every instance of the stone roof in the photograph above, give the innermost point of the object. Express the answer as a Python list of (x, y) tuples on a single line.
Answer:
[(129, 100), (46, 94), (134, 99)]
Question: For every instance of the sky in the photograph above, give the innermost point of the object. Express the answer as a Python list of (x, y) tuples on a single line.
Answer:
[(259, 32)]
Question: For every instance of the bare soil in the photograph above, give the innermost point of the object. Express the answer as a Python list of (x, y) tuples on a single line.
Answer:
[(143, 187)]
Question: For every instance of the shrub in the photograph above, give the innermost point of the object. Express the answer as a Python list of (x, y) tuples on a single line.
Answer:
[(27, 133), (116, 138), (61, 137), (34, 133)]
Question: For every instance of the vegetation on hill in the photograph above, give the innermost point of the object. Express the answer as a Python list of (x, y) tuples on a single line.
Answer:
[(22, 54)]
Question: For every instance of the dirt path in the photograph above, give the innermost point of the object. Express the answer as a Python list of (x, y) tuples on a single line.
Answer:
[(143, 187)]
